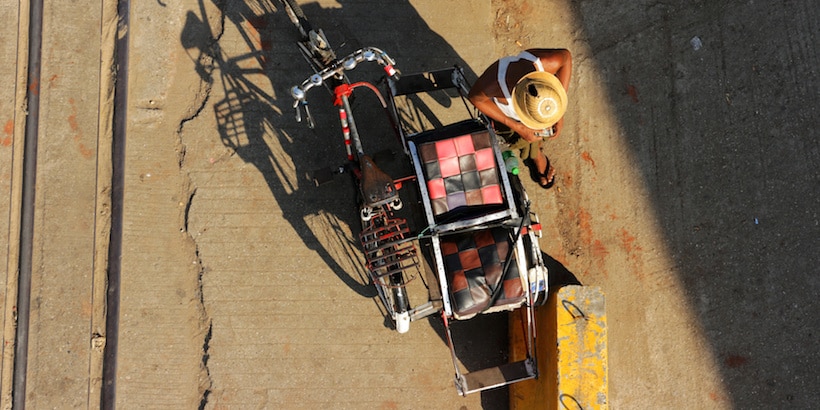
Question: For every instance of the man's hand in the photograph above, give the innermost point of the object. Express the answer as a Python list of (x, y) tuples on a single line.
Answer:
[(556, 129), (526, 132), (532, 135)]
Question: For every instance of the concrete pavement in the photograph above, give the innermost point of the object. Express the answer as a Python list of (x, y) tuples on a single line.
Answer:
[(687, 191)]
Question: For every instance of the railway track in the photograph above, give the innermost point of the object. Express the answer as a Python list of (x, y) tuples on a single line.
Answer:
[(35, 36), (33, 288)]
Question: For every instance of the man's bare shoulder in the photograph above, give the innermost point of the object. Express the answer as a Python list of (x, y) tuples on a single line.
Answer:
[(487, 82)]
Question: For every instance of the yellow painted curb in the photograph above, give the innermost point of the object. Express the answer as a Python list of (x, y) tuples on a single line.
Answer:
[(571, 345)]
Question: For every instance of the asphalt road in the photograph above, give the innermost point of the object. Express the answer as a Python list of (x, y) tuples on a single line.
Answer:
[(687, 190)]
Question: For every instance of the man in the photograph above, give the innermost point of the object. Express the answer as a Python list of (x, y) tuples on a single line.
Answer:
[(526, 97)]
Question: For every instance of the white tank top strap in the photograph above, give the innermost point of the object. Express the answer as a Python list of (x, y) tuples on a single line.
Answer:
[(526, 55), (503, 63)]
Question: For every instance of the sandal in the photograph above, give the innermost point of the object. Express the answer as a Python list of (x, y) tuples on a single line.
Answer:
[(537, 176)]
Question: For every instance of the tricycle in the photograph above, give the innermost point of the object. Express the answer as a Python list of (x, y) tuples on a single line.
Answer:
[(459, 220)]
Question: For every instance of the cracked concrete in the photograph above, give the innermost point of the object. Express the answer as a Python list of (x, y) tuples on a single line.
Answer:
[(164, 325), (205, 374)]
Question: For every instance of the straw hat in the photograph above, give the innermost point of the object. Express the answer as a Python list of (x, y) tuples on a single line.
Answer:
[(539, 99)]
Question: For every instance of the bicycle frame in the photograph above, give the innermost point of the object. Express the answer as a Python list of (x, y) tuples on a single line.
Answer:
[(351, 134)]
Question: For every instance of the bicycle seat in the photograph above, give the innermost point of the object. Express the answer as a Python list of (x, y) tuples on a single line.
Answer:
[(377, 187)]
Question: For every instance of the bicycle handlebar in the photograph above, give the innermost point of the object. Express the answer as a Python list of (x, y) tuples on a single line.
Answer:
[(299, 92)]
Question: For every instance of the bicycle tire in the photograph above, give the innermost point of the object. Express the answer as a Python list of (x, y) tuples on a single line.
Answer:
[(297, 17)]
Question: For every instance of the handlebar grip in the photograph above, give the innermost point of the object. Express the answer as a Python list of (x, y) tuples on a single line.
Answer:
[(392, 72)]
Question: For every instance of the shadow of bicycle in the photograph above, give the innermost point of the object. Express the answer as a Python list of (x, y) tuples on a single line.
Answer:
[(249, 121)]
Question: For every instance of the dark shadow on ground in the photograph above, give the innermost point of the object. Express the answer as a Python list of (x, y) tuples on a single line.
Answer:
[(719, 105), (249, 113), (559, 275)]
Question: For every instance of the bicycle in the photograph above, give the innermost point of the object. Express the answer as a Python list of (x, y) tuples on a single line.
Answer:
[(389, 252)]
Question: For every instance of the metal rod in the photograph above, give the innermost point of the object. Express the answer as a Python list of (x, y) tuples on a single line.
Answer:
[(354, 132)]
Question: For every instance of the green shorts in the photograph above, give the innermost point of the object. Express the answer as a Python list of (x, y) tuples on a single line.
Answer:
[(526, 149)]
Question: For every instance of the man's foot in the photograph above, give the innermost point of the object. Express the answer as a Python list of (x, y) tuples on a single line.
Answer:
[(542, 172)]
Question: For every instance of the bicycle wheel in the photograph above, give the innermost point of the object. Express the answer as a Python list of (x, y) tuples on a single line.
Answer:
[(297, 17)]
